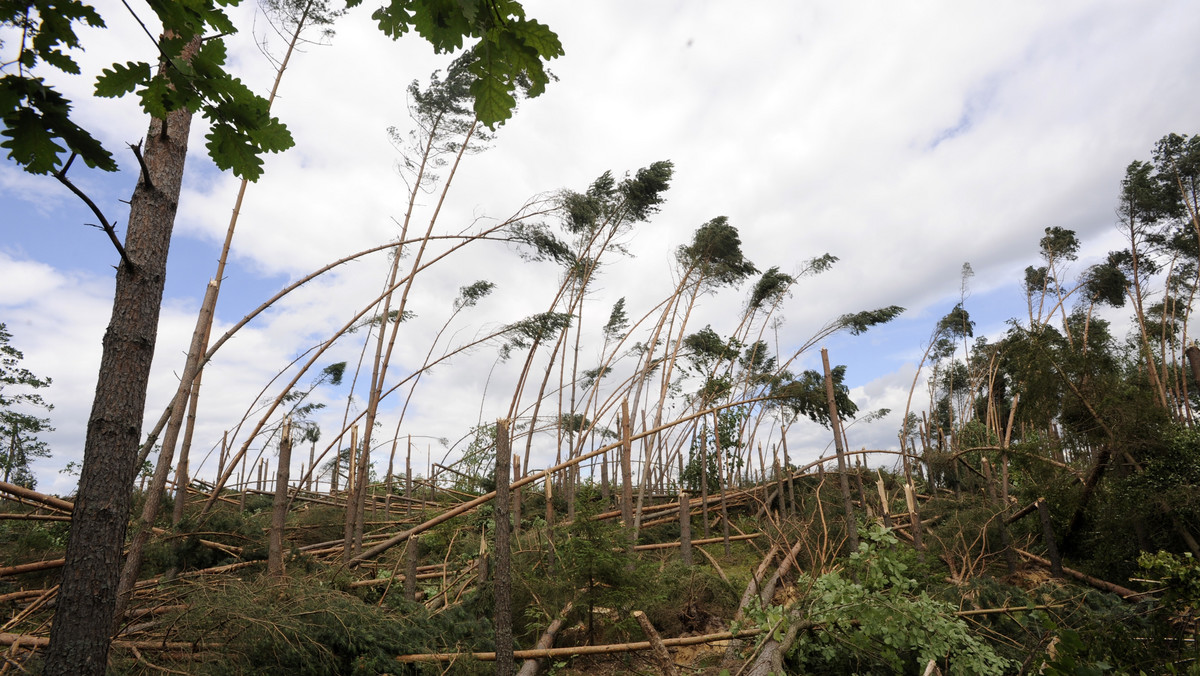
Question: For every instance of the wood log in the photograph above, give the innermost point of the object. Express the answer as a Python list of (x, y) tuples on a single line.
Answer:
[(716, 566), (48, 501), (661, 655), (546, 640), (35, 517), (753, 589), (607, 649), (770, 656), (530, 478), (43, 641), (1103, 585), (34, 567), (22, 595), (706, 541)]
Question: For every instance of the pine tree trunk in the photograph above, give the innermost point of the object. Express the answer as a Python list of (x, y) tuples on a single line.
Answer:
[(502, 584), (843, 480), (279, 508), (79, 641)]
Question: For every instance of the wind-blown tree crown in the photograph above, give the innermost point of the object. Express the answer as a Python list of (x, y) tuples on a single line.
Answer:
[(716, 252)]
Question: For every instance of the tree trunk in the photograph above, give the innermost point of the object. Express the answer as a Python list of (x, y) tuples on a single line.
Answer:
[(133, 560), (79, 641), (685, 529), (502, 583), (530, 667), (721, 477), (843, 480), (192, 375), (627, 473), (279, 511), (1056, 568), (661, 655)]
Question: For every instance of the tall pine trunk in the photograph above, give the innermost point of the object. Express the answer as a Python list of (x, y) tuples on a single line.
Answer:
[(79, 638)]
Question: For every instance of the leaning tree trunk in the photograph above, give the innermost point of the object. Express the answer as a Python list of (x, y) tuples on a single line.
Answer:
[(79, 639), (843, 468)]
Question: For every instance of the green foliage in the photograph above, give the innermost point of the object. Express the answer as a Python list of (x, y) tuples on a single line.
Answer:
[(618, 321), (727, 441), (509, 53), (706, 349), (881, 622), (508, 56), (956, 324), (194, 77), (805, 395), (470, 295), (478, 460), (532, 330), (24, 541), (715, 254), (1180, 575), (36, 116), (19, 427), (858, 323), (309, 627), (772, 286), (594, 565)]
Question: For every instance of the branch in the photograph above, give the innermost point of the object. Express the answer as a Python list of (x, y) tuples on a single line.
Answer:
[(107, 227), (137, 152)]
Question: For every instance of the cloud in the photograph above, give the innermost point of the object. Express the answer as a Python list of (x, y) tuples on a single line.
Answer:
[(903, 139)]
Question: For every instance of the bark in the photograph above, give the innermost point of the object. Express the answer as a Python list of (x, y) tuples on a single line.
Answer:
[(843, 480), (1010, 556), (1193, 357), (502, 584), (685, 529), (192, 367), (606, 649), (279, 512), (627, 472), (516, 497), (133, 560), (79, 642), (704, 478), (770, 659), (1056, 567), (722, 479), (1103, 585), (411, 555), (661, 655), (530, 667)]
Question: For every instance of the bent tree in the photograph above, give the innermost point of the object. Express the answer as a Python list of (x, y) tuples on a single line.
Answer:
[(190, 77)]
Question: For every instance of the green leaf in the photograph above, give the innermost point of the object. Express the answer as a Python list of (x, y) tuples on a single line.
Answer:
[(273, 137), (538, 36), (61, 61), (29, 143), (35, 115), (211, 54), (441, 22), (155, 97), (493, 101), (231, 149), (121, 79), (469, 9), (394, 20)]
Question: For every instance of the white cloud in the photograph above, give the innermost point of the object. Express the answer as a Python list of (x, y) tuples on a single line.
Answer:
[(905, 139)]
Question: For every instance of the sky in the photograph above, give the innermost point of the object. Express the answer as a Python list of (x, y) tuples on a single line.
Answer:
[(904, 138)]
